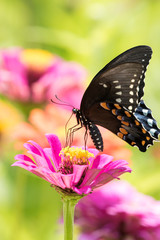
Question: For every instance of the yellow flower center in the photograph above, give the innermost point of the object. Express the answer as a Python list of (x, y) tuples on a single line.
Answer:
[(76, 155), (37, 59)]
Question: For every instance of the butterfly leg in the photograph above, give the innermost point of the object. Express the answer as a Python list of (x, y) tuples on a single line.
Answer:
[(66, 132), (72, 133), (85, 138), (69, 135)]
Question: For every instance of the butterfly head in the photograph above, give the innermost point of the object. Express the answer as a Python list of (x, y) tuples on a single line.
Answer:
[(75, 110), (79, 116)]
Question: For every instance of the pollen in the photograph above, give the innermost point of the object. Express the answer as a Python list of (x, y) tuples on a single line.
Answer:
[(76, 155)]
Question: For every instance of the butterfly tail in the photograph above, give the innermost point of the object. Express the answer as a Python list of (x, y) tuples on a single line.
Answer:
[(144, 115)]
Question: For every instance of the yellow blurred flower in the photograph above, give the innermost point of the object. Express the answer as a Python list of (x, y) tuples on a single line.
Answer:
[(9, 118)]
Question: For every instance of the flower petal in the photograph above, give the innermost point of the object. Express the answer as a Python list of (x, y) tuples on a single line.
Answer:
[(38, 153), (78, 171), (37, 150), (108, 175), (23, 157), (90, 175), (68, 180), (55, 147), (57, 178), (25, 164), (101, 160)]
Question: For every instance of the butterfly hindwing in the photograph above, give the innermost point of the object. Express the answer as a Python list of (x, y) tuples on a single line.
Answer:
[(123, 123), (144, 115)]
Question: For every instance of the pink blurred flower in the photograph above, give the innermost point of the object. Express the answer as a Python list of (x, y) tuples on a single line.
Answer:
[(33, 75), (70, 169), (118, 212)]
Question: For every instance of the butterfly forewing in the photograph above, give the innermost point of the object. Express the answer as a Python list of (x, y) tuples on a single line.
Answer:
[(121, 81), (124, 81), (140, 54)]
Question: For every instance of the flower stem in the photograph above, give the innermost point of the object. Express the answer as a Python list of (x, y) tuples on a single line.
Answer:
[(70, 199), (68, 216)]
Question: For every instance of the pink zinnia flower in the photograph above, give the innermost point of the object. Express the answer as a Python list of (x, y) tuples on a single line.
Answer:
[(34, 75), (73, 170), (118, 212)]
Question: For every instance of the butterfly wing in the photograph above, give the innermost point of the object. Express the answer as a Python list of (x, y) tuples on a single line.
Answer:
[(139, 129), (120, 81), (114, 95), (144, 115)]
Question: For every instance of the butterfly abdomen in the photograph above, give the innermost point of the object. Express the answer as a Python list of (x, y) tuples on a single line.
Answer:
[(96, 136)]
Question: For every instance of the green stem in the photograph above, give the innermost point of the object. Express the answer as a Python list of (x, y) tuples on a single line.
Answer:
[(70, 199), (68, 217)]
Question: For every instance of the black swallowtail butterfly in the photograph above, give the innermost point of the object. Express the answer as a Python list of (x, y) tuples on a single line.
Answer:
[(113, 101)]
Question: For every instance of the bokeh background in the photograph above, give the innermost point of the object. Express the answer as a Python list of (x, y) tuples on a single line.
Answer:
[(91, 33)]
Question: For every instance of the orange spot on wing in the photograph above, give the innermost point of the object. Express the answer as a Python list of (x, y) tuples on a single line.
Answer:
[(144, 131), (148, 138), (104, 105), (133, 143), (117, 106), (123, 131), (120, 135), (143, 142), (137, 123), (125, 123), (114, 111), (119, 118), (127, 114)]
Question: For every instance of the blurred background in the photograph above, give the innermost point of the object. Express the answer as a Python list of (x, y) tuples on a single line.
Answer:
[(87, 34)]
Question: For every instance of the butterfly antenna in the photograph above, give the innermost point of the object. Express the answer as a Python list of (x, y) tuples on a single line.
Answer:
[(62, 102)]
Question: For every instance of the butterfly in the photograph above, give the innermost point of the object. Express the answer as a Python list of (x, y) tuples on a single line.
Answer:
[(113, 100)]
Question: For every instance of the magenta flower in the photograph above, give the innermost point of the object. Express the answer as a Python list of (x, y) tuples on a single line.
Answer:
[(71, 169), (118, 212), (34, 75)]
